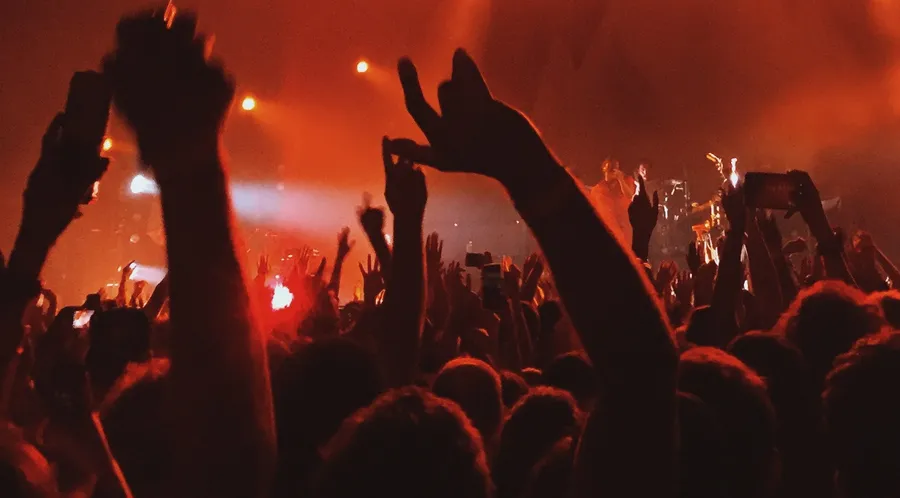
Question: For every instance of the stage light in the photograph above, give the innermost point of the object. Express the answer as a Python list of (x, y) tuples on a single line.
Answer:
[(281, 297), (153, 275), (734, 173), (362, 66), (248, 104), (141, 185), (107, 144)]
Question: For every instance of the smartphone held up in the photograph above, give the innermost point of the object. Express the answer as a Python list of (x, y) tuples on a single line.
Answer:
[(770, 191)]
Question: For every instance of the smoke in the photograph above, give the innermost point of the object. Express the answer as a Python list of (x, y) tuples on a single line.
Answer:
[(774, 81)]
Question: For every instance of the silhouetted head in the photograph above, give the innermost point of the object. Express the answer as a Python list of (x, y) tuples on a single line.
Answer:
[(551, 477), (701, 327), (514, 387), (700, 471), (314, 390), (861, 407), (117, 337), (741, 404), (533, 376), (476, 387), (535, 424), (889, 302), (824, 322), (408, 444), (785, 372), (573, 372)]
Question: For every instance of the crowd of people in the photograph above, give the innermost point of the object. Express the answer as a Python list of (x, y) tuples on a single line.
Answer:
[(592, 375)]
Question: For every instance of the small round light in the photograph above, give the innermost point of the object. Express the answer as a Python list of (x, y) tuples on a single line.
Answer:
[(107, 144), (362, 66), (248, 104)]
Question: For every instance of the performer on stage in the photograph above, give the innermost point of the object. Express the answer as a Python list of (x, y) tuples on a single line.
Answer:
[(613, 195)]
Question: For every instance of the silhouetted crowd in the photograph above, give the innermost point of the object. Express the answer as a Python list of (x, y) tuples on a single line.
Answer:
[(584, 372)]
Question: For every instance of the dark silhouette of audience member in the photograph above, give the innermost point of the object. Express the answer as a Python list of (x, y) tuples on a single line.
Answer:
[(535, 424), (738, 398), (861, 408), (825, 321), (476, 388), (514, 387), (573, 372), (315, 389), (407, 444)]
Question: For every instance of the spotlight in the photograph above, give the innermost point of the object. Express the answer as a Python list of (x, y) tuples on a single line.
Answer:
[(248, 104), (140, 184), (107, 144), (281, 297), (362, 66)]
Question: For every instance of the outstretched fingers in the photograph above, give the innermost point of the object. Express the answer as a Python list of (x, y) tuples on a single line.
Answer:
[(421, 111), (467, 77)]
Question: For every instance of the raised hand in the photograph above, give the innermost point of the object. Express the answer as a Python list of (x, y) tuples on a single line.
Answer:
[(684, 288), (735, 210), (344, 243), (262, 267), (666, 274), (704, 283), (57, 185), (693, 257), (174, 98), (128, 270), (316, 278), (474, 132), (532, 272), (404, 185), (370, 218), (434, 249), (302, 255), (511, 278), (373, 282)]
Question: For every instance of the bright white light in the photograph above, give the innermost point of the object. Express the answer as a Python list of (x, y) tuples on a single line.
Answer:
[(281, 297), (153, 275), (362, 66), (248, 104), (734, 174), (107, 144), (141, 185), (388, 238)]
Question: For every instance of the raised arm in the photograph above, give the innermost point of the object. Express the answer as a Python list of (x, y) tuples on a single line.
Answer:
[(344, 246), (628, 447), (730, 274), (221, 408), (372, 221), (764, 276), (157, 299), (404, 299), (888, 266), (830, 247), (122, 294), (50, 202)]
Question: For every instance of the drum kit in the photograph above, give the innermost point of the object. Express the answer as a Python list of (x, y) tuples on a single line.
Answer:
[(683, 221)]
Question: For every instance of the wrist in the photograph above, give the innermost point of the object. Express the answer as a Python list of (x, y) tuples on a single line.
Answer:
[(195, 165), (29, 254), (534, 179)]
